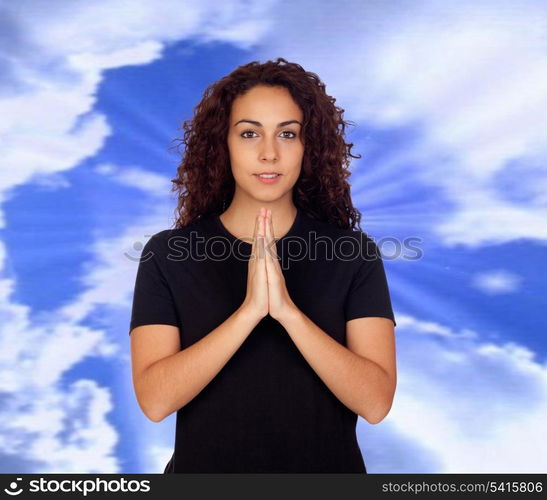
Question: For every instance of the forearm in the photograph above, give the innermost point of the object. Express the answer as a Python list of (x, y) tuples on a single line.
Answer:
[(359, 383), (170, 383)]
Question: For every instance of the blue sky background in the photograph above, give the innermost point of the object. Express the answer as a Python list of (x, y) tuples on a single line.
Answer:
[(450, 104)]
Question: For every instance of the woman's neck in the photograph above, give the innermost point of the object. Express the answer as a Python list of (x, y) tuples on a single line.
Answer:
[(239, 219)]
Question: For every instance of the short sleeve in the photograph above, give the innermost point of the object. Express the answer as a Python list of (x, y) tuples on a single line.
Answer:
[(152, 298), (369, 293)]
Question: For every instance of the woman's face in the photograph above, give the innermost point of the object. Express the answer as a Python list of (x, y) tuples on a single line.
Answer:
[(265, 136)]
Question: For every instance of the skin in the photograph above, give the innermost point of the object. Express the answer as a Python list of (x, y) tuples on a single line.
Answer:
[(266, 148)]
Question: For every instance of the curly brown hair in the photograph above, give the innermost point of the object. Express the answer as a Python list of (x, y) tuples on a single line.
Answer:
[(204, 179)]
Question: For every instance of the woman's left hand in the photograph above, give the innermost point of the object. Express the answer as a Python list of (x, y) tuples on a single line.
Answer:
[(280, 302)]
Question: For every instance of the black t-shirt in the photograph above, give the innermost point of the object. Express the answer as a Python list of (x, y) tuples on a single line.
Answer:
[(266, 410)]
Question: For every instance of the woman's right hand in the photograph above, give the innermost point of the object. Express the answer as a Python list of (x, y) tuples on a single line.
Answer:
[(256, 300)]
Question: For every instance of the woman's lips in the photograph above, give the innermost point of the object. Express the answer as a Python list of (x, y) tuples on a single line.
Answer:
[(266, 180)]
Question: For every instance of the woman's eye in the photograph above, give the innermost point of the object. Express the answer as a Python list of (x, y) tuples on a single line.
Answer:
[(243, 134), (289, 132)]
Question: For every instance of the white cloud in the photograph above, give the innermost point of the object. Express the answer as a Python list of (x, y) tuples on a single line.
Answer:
[(158, 456), (58, 429), (55, 429), (462, 405), (469, 79), (110, 277), (66, 431), (142, 53), (52, 181), (144, 180), (497, 282)]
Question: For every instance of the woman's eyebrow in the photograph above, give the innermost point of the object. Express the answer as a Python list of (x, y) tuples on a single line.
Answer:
[(258, 124)]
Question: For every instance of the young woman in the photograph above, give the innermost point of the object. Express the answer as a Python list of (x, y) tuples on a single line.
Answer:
[(263, 318)]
